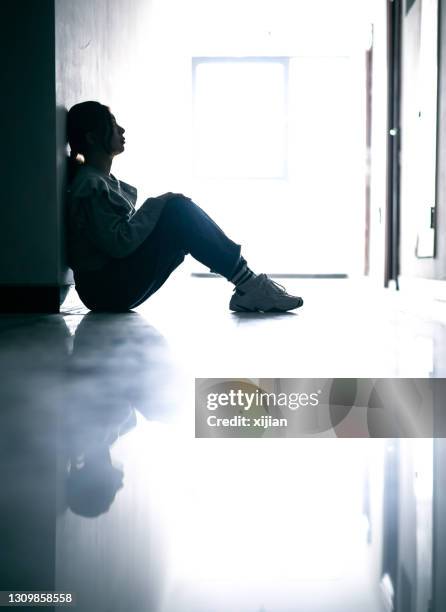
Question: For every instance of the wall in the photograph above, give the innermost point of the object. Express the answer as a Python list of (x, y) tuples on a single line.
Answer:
[(407, 527), (411, 179), (439, 578), (378, 152), (440, 264), (29, 233), (100, 55)]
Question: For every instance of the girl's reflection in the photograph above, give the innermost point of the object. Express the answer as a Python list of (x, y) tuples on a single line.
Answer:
[(118, 365)]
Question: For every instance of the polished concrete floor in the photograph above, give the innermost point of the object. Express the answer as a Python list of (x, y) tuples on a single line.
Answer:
[(107, 493)]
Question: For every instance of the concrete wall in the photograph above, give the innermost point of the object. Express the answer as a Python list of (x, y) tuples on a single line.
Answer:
[(100, 55), (29, 233)]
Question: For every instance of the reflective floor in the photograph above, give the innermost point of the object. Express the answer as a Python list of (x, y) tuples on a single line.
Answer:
[(106, 492)]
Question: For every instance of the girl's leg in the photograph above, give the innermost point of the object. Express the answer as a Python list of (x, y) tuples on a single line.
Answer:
[(182, 228), (200, 236)]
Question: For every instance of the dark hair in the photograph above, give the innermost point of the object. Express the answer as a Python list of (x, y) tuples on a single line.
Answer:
[(83, 118)]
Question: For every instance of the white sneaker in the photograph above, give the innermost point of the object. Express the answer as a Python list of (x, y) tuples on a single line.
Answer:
[(263, 294)]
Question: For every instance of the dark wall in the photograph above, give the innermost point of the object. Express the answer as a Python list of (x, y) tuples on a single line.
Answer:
[(28, 227)]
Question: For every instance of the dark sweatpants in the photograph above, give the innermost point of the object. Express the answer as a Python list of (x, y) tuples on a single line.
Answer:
[(182, 228)]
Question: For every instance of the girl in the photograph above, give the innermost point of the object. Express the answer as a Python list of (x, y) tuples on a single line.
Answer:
[(119, 255)]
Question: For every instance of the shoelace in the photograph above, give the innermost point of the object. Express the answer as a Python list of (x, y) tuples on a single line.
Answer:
[(276, 287), (267, 282)]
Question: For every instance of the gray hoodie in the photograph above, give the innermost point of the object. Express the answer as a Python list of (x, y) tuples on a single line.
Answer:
[(102, 221)]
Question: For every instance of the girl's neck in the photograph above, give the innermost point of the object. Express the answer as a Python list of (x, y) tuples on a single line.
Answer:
[(100, 161)]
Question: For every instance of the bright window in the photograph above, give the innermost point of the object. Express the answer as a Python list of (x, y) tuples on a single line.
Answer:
[(240, 112)]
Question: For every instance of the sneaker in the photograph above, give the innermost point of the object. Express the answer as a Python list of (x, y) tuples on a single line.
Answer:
[(261, 294)]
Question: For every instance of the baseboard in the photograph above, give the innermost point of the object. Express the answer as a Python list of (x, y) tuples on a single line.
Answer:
[(15, 299), (275, 275)]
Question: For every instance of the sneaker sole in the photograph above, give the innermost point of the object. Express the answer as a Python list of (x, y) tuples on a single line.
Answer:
[(239, 308)]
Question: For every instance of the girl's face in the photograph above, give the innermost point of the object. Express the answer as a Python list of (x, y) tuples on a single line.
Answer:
[(117, 140)]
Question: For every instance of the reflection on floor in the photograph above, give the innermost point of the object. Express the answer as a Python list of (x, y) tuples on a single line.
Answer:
[(108, 494)]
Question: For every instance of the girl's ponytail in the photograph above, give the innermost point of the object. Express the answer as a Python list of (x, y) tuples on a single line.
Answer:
[(73, 165)]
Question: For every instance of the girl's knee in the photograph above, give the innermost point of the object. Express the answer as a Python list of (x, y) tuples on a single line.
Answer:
[(178, 201), (180, 197)]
